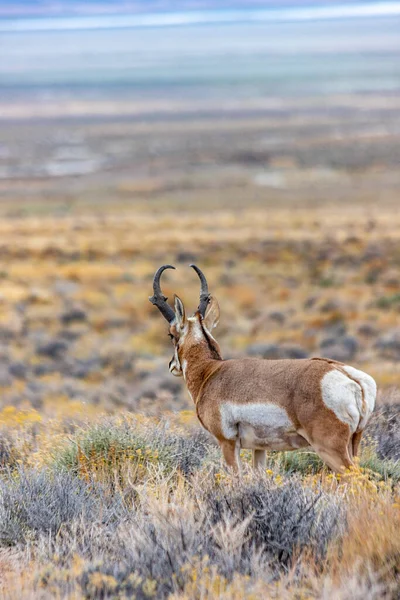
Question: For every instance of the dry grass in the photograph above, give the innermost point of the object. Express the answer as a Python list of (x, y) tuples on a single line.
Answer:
[(98, 500), (75, 320), (138, 507)]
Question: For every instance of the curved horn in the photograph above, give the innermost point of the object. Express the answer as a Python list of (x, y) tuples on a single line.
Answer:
[(204, 293), (158, 299)]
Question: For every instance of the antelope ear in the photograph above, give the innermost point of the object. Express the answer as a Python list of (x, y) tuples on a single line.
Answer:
[(179, 312), (211, 318)]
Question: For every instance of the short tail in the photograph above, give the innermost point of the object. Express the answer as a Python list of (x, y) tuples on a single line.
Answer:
[(368, 393)]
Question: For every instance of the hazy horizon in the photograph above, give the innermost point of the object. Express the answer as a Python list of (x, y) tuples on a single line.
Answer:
[(261, 57), (23, 8), (180, 16)]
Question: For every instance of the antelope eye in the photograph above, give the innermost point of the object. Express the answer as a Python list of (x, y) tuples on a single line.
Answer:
[(171, 336)]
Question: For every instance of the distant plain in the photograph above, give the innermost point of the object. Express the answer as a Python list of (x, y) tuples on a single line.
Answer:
[(286, 194)]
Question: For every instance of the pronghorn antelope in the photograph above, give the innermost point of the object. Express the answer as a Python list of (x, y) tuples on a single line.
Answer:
[(265, 404)]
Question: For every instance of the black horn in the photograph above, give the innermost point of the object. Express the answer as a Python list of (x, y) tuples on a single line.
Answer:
[(204, 293), (158, 299)]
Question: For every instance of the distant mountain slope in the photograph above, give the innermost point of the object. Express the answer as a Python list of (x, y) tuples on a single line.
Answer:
[(16, 8)]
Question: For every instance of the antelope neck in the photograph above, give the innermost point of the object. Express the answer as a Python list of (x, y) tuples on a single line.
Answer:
[(200, 367)]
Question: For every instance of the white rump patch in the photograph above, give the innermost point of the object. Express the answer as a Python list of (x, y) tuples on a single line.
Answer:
[(343, 396), (369, 388)]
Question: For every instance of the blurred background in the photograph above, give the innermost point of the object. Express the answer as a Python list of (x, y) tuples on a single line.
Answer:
[(260, 140)]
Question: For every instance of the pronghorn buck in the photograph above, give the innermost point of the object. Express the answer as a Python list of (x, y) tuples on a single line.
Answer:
[(265, 404)]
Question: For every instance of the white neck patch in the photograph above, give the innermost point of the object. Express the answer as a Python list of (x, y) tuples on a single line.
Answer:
[(196, 330), (184, 367)]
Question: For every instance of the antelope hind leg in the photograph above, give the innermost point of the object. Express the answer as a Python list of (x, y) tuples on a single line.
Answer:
[(338, 459), (356, 439), (333, 446)]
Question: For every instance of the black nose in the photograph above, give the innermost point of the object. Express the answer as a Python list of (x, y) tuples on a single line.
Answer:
[(170, 363)]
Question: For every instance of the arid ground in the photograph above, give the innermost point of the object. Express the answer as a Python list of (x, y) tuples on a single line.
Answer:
[(109, 488)]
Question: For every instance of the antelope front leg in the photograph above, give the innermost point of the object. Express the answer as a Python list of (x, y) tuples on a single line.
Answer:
[(231, 451), (259, 459)]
